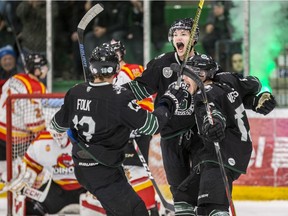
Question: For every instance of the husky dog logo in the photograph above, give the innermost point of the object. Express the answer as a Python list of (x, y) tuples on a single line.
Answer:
[(167, 72)]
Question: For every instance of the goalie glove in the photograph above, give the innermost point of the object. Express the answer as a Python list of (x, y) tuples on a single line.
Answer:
[(215, 132), (26, 177), (172, 98), (264, 103)]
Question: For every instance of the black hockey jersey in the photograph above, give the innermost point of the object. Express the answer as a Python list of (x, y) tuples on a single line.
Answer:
[(157, 78), (236, 147), (102, 116)]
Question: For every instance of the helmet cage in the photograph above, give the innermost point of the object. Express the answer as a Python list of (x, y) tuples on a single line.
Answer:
[(35, 61), (117, 45), (60, 138), (205, 63)]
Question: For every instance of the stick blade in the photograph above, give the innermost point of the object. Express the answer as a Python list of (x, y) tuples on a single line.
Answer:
[(93, 12)]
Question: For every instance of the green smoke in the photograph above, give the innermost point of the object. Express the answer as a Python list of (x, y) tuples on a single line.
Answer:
[(268, 22)]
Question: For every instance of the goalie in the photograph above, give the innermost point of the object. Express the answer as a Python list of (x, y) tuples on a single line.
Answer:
[(49, 156)]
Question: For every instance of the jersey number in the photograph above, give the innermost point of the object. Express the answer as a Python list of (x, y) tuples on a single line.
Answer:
[(241, 126), (90, 124)]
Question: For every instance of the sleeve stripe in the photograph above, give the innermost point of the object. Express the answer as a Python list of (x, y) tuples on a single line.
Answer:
[(57, 127), (139, 92), (150, 126)]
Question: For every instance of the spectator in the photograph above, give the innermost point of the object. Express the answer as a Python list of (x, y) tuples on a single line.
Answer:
[(217, 27), (8, 66), (32, 15), (68, 62), (158, 24), (111, 23), (135, 32), (237, 63), (6, 33)]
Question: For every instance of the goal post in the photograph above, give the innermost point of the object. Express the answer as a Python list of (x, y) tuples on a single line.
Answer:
[(17, 143)]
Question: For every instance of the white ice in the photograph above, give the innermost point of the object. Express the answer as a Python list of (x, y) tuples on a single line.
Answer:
[(243, 208)]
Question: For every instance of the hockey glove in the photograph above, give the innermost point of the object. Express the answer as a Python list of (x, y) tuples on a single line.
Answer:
[(215, 132), (172, 98), (264, 103)]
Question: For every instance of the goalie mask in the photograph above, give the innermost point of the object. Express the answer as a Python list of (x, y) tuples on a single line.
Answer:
[(60, 138), (186, 24), (36, 61), (104, 60), (203, 64)]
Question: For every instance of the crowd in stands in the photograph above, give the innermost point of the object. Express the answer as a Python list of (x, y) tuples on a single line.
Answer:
[(25, 22)]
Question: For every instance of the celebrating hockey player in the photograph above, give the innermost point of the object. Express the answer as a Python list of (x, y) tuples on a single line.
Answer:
[(100, 116), (136, 173), (179, 139), (230, 128)]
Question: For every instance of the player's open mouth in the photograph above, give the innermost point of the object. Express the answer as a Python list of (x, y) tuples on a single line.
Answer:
[(180, 46)]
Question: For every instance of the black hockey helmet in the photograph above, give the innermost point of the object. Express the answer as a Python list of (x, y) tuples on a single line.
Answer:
[(34, 61), (186, 24), (118, 46), (203, 62), (103, 60)]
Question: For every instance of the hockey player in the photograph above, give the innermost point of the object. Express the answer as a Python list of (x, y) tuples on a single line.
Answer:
[(29, 124), (50, 153), (101, 116), (179, 139), (136, 173), (230, 128)]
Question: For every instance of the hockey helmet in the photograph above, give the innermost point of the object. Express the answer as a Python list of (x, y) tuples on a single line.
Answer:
[(186, 24), (104, 60), (204, 63), (118, 46), (34, 61)]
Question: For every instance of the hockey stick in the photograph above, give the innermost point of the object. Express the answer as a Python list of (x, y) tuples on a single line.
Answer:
[(200, 84), (168, 206), (30, 192), (188, 48), (37, 195), (91, 14)]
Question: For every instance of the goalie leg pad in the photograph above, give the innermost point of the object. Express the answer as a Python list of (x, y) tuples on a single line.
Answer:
[(18, 206), (90, 205)]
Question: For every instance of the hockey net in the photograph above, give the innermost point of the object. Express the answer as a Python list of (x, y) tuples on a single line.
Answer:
[(33, 111), (19, 110)]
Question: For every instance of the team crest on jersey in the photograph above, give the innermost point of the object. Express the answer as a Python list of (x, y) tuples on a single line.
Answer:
[(167, 72), (134, 106), (88, 89), (64, 165)]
